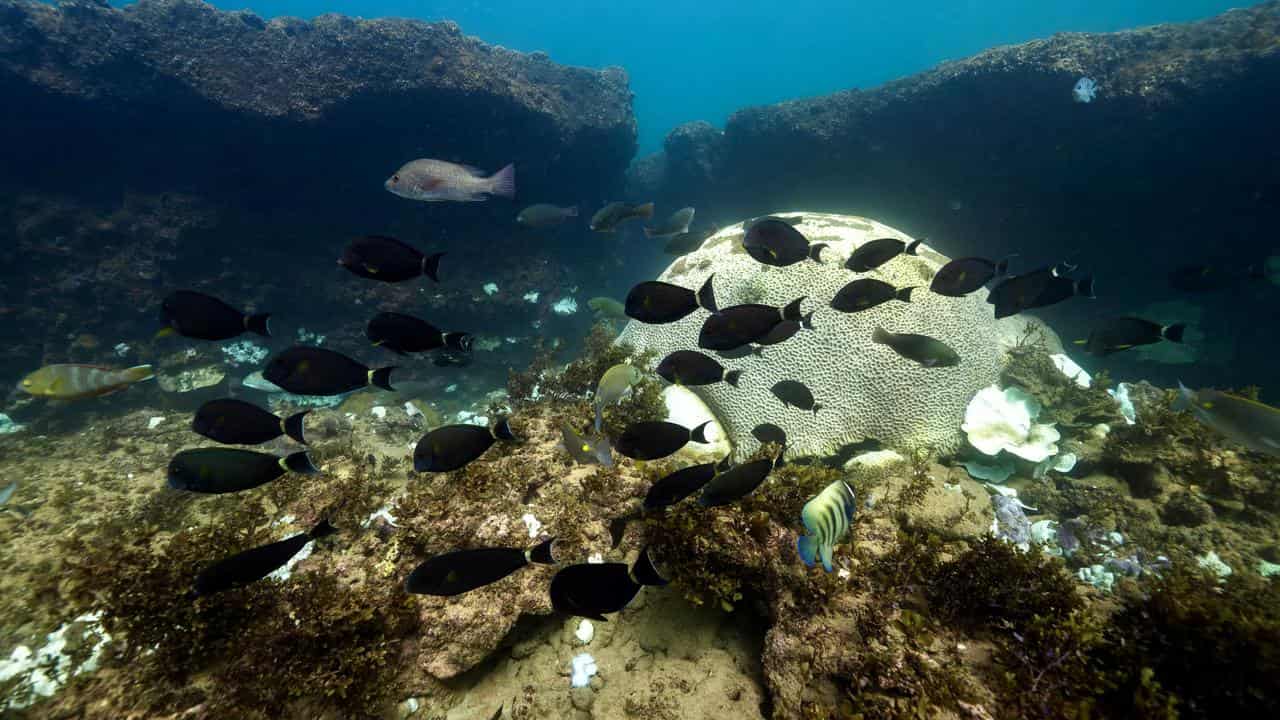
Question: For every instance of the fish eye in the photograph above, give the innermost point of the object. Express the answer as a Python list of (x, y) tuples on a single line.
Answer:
[(395, 178)]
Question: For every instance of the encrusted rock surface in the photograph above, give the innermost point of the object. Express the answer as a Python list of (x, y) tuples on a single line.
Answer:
[(865, 389)]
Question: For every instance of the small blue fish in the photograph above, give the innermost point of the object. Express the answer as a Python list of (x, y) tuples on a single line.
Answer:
[(826, 518), (7, 493)]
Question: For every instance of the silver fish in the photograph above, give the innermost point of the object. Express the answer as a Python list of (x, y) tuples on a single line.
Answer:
[(676, 224), (437, 180)]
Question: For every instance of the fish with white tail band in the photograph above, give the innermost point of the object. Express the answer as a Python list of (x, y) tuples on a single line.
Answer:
[(826, 519)]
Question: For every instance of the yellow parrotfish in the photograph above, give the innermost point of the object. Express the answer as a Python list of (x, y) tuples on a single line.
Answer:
[(826, 519), (614, 385), (73, 382), (1253, 424)]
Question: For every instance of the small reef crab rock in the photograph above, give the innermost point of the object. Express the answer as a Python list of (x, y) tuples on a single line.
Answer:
[(1085, 90)]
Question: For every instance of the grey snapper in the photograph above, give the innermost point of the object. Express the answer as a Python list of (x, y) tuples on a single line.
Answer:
[(438, 181), (1253, 424), (676, 224)]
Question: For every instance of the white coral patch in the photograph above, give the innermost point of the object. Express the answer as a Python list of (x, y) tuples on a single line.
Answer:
[(532, 524), (997, 420)]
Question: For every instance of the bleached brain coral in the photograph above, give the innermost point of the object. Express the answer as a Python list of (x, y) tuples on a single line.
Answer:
[(865, 389)]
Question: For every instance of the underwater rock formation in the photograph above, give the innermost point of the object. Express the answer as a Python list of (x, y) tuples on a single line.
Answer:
[(257, 97), (976, 153), (866, 391)]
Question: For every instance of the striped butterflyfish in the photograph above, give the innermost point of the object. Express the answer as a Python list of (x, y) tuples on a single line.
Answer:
[(826, 519)]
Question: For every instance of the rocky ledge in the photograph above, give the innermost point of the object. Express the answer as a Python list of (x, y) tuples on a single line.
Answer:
[(993, 154)]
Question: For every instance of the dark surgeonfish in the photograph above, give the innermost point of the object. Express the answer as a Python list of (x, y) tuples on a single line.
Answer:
[(72, 381), (378, 257), (608, 218), (307, 370), (655, 439), (925, 350), (681, 484), (460, 571), (866, 293), (777, 243), (431, 180), (766, 433), (545, 216), (586, 450), (236, 422), (784, 330), (691, 368), (794, 393), (256, 563), (204, 317), (741, 324), (826, 519), (793, 221), (676, 224), (214, 471), (875, 253), (590, 590), (1123, 333), (965, 275), (1253, 424), (1210, 277), (405, 334), (738, 481), (656, 302), (1038, 288), (453, 446)]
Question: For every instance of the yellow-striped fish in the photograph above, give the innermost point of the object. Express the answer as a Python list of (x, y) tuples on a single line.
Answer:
[(826, 518), (73, 382)]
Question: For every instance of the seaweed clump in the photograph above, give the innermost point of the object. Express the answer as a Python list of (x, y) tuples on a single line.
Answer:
[(1063, 402), (576, 381), (1194, 648), (255, 652)]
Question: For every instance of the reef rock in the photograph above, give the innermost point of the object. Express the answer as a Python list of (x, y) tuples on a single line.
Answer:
[(255, 98), (865, 389)]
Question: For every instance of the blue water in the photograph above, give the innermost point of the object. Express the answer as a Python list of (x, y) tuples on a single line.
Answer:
[(703, 60)]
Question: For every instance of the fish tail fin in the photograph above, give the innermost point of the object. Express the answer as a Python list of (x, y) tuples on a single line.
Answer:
[(904, 294), (503, 182), (880, 335), (292, 426), (1084, 286), (645, 210), (300, 462), (807, 546), (815, 251), (382, 378), (824, 552), (541, 553), (644, 572), (707, 295), (806, 322), (571, 211), (322, 529), (139, 373), (792, 310), (431, 266), (699, 434), (260, 323), (732, 377), (1174, 332), (502, 431), (1186, 398), (458, 341), (911, 249)]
